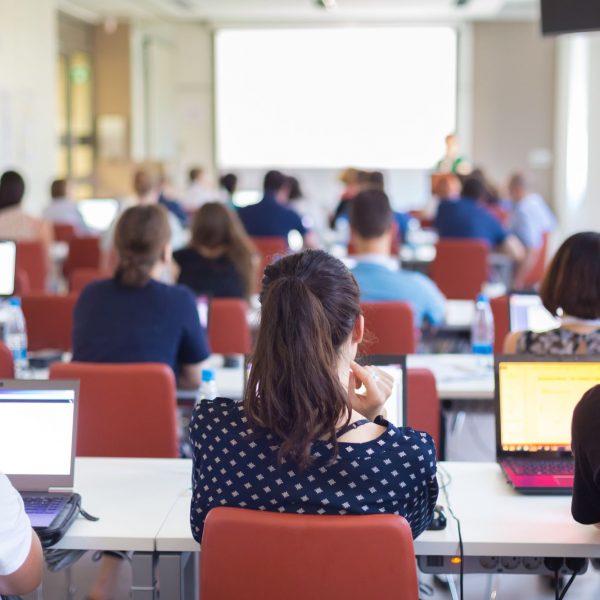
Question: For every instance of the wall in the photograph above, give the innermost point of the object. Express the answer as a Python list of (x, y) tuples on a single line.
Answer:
[(513, 101), (28, 94)]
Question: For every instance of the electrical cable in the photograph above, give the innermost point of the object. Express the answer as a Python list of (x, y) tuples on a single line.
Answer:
[(566, 588), (444, 489)]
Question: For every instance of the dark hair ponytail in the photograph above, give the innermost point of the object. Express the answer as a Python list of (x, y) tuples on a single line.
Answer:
[(141, 236), (310, 302)]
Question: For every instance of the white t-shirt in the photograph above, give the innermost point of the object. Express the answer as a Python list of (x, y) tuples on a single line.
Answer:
[(15, 529)]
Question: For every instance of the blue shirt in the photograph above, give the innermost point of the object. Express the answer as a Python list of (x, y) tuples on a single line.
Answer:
[(269, 218), (465, 218), (175, 208), (531, 218), (234, 465), (155, 323), (379, 282)]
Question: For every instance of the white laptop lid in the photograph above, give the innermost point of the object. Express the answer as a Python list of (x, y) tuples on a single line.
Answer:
[(98, 213), (38, 423), (8, 257), (395, 365), (527, 313)]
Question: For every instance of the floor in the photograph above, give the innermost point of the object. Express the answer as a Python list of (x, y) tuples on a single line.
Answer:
[(469, 437)]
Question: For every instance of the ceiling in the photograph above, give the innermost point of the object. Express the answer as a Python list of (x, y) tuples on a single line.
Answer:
[(270, 11)]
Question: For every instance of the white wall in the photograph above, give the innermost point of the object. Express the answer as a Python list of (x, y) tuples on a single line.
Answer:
[(28, 138)]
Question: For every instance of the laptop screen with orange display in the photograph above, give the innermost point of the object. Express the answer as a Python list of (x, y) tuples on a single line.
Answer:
[(536, 398)]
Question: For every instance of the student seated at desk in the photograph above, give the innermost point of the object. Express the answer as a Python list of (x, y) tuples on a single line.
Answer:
[(304, 440), (379, 275), (21, 558), (220, 259), (133, 317), (570, 290)]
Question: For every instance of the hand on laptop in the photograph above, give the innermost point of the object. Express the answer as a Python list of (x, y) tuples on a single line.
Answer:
[(377, 386)]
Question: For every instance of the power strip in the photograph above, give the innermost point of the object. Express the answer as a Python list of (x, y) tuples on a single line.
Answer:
[(523, 565)]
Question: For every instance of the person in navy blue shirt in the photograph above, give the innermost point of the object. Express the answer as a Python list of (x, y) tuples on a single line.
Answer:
[(305, 439), (271, 217), (467, 218), (135, 318)]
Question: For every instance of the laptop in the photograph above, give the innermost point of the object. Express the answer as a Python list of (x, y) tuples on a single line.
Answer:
[(527, 313), (534, 401), (98, 214), (37, 445), (8, 258)]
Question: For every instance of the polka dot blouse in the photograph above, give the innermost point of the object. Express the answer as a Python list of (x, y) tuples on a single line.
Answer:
[(237, 466)]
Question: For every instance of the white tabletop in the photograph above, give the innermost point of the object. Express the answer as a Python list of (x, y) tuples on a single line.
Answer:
[(131, 497)]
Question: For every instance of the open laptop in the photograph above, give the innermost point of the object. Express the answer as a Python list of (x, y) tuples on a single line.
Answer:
[(534, 400), (98, 214), (8, 259), (37, 445), (527, 313)]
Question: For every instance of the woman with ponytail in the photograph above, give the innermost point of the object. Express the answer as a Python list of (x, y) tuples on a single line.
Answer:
[(305, 440), (133, 317)]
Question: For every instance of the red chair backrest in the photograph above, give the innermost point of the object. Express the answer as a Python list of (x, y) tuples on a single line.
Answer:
[(22, 285), (538, 269), (460, 268), (228, 329), (296, 557), (125, 410), (63, 232), (7, 366), (394, 247), (269, 249), (79, 278), (84, 253), (423, 411), (499, 308), (49, 321), (389, 328), (32, 259)]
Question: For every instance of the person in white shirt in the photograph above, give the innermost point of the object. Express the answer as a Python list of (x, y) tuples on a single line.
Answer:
[(63, 210), (198, 193), (21, 558)]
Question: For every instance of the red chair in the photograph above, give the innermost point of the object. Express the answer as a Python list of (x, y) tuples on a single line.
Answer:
[(500, 311), (84, 253), (49, 321), (228, 329), (125, 410), (63, 232), (22, 285), (81, 277), (299, 557), (7, 366), (269, 248), (460, 268), (32, 260), (536, 273), (389, 328), (423, 411)]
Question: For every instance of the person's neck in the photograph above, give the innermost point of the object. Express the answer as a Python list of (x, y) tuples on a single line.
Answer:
[(380, 246)]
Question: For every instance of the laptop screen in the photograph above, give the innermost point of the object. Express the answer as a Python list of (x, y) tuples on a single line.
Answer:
[(37, 422), (98, 214), (536, 402), (527, 313), (8, 256)]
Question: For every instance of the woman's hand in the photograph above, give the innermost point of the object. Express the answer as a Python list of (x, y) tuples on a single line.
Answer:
[(378, 387)]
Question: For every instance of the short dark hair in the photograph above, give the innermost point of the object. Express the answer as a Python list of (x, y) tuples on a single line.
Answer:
[(572, 281), (12, 189), (194, 173), (371, 214), (295, 189), (376, 181), (58, 189), (474, 189), (274, 181), (228, 182)]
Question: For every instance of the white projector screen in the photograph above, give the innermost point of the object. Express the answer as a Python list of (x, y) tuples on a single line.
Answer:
[(332, 97)]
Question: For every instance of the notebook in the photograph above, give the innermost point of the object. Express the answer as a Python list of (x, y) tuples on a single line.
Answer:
[(527, 313), (535, 398), (8, 257), (37, 445)]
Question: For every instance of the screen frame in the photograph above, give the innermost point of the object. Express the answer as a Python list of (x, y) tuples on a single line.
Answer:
[(14, 276), (528, 358), (43, 483)]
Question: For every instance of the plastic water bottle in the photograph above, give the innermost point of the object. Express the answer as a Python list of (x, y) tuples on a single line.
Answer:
[(482, 330), (208, 387), (15, 335)]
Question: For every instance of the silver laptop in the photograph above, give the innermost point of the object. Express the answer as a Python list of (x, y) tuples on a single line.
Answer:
[(38, 422), (527, 313), (8, 259)]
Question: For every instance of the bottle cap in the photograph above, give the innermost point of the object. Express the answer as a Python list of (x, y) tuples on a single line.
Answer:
[(208, 375), (14, 301), (482, 298)]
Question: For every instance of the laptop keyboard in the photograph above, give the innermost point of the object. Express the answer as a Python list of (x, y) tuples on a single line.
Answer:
[(43, 505), (541, 467)]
